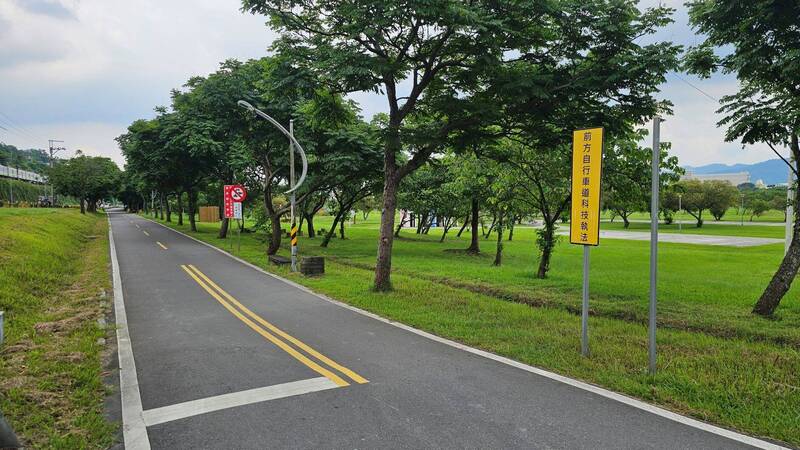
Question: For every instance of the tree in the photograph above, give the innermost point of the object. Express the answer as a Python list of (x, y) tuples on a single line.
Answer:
[(627, 175), (758, 207), (375, 46), (721, 196), (695, 199), (757, 41), (591, 70), (88, 178)]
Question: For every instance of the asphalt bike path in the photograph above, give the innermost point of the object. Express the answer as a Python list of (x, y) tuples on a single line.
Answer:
[(227, 356)]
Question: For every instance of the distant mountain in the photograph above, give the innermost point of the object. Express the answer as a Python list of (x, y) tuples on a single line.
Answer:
[(772, 171)]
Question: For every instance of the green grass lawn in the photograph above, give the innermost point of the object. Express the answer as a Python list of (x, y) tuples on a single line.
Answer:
[(53, 267), (732, 215), (708, 228), (717, 361)]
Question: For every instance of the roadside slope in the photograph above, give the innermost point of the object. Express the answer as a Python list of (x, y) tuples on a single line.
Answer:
[(53, 288)]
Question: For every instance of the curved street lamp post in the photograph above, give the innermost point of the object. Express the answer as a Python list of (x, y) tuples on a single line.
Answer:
[(293, 145)]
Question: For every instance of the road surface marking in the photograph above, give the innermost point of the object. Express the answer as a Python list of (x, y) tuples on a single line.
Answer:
[(205, 405), (284, 346), (137, 225), (134, 431), (624, 399), (161, 245), (352, 375), (145, 233)]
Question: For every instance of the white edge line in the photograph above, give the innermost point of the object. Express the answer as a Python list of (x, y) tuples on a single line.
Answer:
[(134, 431), (749, 440), (219, 402)]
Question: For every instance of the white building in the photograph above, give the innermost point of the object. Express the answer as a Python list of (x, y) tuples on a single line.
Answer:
[(735, 179)]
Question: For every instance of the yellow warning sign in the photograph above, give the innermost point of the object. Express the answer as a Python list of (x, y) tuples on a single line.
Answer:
[(587, 165)]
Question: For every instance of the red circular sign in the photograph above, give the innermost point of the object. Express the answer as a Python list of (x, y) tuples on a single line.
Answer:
[(238, 193)]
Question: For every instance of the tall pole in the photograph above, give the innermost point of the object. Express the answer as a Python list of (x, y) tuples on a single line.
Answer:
[(53, 151), (741, 208), (585, 305), (654, 241), (790, 193), (293, 234)]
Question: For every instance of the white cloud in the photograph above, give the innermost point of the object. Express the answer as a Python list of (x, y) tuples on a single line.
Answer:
[(81, 70)]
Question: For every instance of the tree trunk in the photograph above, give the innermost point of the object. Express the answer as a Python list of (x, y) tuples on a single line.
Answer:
[(787, 271), (161, 205), (491, 228), (223, 228), (383, 266), (474, 246), (302, 216), (625, 222), (276, 235), (463, 226), (511, 228), (498, 255), (341, 227), (83, 208), (180, 208), (547, 245), (422, 221), (332, 230), (310, 224), (192, 209), (169, 210), (400, 225)]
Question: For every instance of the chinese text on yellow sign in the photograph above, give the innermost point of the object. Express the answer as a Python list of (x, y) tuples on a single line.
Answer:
[(587, 161)]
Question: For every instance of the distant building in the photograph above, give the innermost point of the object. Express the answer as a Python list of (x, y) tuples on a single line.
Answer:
[(735, 179), (760, 184)]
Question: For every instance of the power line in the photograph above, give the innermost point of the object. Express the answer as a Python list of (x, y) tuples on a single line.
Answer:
[(695, 87), (20, 130)]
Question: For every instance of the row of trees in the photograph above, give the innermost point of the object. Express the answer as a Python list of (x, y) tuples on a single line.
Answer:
[(488, 92), (89, 179)]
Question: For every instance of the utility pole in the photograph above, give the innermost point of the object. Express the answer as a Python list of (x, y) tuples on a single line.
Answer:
[(656, 184), (293, 234), (53, 151)]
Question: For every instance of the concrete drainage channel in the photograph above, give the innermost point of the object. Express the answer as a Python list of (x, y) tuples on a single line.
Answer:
[(7, 437)]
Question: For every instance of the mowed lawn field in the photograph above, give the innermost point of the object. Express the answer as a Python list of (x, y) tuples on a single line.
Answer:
[(54, 286), (708, 228), (717, 362), (733, 214)]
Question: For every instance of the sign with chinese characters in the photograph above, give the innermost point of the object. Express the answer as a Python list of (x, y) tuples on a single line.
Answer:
[(587, 165), (233, 195)]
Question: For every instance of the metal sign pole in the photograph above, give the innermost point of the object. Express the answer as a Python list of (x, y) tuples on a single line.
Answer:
[(654, 241), (585, 308), (293, 234)]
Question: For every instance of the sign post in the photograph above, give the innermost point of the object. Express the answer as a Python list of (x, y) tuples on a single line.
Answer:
[(584, 225), (233, 196), (656, 184)]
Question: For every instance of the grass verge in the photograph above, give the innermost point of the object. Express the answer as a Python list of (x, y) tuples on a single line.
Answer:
[(716, 361), (54, 286)]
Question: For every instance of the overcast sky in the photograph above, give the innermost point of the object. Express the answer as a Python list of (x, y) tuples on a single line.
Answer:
[(82, 70)]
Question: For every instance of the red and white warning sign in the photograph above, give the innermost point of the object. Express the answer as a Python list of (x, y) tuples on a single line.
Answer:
[(233, 196)]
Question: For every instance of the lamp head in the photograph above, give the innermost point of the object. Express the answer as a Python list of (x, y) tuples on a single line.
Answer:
[(246, 105)]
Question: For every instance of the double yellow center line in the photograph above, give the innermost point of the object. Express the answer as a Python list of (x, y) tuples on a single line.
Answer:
[(289, 344)]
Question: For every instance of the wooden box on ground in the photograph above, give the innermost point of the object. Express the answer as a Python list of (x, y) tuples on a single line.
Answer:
[(209, 214), (312, 265)]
